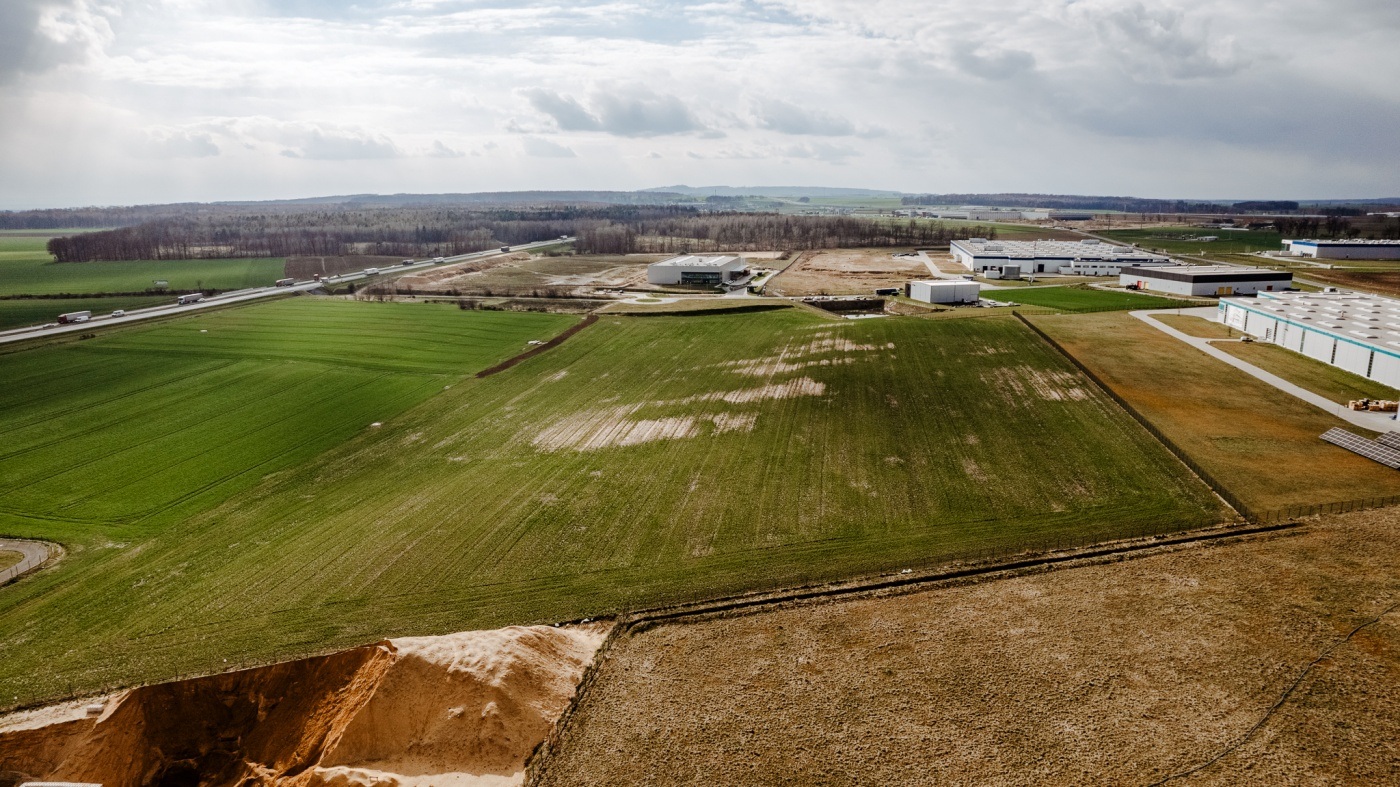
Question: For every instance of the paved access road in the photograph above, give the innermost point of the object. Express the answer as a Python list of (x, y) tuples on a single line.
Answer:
[(35, 553), (1376, 422), (239, 296)]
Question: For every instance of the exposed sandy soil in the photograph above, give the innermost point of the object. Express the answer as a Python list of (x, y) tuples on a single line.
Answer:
[(461, 709), (846, 272), (1118, 673)]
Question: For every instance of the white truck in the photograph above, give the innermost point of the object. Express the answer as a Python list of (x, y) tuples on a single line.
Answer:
[(194, 297), (73, 317)]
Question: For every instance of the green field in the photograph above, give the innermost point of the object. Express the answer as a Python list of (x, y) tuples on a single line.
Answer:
[(26, 268), (643, 461), (136, 430), (19, 313), (1083, 299), (1179, 240)]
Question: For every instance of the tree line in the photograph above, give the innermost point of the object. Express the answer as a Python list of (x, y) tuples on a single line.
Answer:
[(764, 231)]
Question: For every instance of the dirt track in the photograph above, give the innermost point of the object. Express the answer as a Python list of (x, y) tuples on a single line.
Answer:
[(1123, 673), (846, 272)]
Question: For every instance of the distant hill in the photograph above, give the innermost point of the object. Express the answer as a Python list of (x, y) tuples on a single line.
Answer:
[(477, 198), (770, 191)]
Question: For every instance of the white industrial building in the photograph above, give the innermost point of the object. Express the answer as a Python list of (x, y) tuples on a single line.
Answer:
[(1087, 257), (1344, 249), (945, 291), (1354, 331), (693, 269), (1207, 280)]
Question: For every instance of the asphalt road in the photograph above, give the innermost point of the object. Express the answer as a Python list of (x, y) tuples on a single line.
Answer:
[(35, 553), (240, 296)]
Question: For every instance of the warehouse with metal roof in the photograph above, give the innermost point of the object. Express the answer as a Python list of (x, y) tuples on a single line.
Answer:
[(1087, 257), (1205, 280), (1355, 331), (694, 269), (1345, 249)]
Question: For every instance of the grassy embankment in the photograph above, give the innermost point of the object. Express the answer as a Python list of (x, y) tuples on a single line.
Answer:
[(1180, 240), (1083, 299), (1260, 443), (26, 268), (636, 464)]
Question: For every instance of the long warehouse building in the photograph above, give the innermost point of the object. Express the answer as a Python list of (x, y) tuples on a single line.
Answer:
[(1344, 249), (1087, 257), (1206, 280), (1354, 331)]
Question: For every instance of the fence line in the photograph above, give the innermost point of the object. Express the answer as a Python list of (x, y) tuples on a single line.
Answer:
[(24, 566)]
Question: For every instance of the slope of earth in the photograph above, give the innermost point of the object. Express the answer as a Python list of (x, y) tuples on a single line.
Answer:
[(463, 709), (1117, 673), (1257, 441), (645, 460)]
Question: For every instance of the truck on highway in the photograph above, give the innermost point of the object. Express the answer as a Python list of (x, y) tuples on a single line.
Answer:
[(505, 248), (194, 297), (371, 271), (72, 317), (286, 282)]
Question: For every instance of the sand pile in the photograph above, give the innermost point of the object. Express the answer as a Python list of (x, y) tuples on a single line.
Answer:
[(463, 709)]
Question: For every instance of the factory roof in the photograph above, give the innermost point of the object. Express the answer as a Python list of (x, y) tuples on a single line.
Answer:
[(1208, 273), (696, 261), (1053, 249), (1354, 242), (1360, 318)]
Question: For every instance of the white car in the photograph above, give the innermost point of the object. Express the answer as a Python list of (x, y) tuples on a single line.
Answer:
[(119, 313)]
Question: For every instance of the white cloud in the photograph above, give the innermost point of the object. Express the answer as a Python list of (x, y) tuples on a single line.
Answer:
[(1127, 96)]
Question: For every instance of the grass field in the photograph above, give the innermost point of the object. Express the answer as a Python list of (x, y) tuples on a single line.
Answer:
[(1083, 299), (18, 313), (9, 558), (1178, 240), (133, 431), (26, 268), (645, 460), (1197, 326), (1259, 442), (1321, 378)]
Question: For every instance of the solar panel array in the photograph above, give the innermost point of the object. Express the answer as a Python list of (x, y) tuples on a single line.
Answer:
[(1371, 449), (1391, 439)]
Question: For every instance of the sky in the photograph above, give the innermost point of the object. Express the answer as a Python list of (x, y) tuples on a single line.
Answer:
[(117, 102)]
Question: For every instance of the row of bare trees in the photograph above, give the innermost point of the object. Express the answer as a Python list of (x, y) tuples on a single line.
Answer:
[(763, 231)]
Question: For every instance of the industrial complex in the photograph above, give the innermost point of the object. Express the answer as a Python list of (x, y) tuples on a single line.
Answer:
[(945, 291), (1205, 280), (1344, 249), (1355, 331), (693, 269), (1011, 259)]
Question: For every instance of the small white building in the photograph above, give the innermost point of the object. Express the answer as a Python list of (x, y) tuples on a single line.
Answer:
[(945, 291), (1355, 331), (693, 269), (1344, 249), (1206, 280), (1086, 257)]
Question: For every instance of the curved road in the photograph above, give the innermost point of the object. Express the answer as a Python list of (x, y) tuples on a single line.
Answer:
[(35, 553)]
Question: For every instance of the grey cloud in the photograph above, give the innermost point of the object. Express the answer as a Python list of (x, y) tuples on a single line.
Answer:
[(37, 35), (543, 148), (628, 112), (1161, 39), (997, 64), (337, 145), (439, 150), (820, 151), (788, 118), (177, 143), (567, 113)]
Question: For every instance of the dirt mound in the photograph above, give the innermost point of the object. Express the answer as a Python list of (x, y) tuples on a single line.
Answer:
[(464, 709)]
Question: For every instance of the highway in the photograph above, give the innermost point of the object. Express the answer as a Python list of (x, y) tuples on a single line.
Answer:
[(240, 296)]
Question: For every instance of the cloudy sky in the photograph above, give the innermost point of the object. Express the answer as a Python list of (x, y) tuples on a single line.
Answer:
[(137, 101)]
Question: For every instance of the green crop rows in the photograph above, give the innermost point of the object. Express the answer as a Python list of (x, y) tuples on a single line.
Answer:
[(26, 268), (1083, 299), (644, 461)]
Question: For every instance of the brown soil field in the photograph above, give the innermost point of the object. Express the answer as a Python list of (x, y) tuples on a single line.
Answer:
[(1257, 441), (846, 272), (462, 709), (521, 274), (1266, 660), (302, 267), (1383, 282)]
